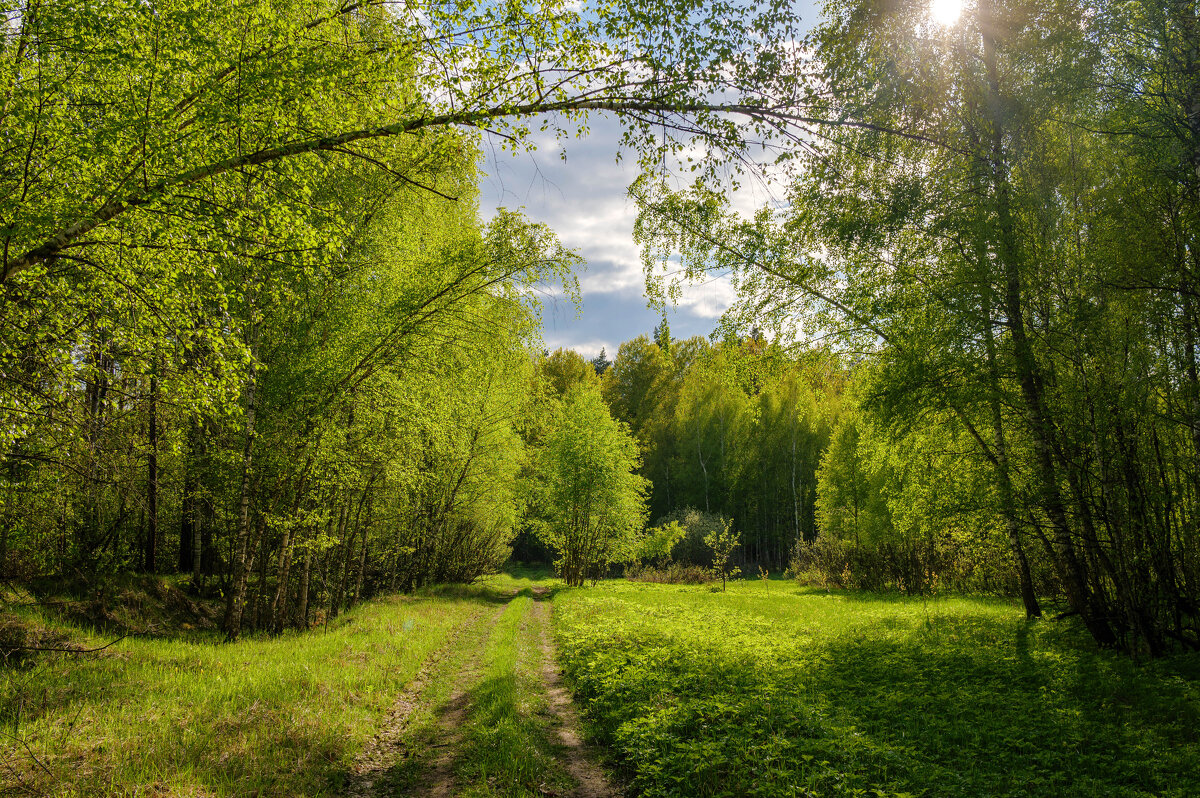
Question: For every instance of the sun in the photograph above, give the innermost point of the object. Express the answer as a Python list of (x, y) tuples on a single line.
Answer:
[(945, 12)]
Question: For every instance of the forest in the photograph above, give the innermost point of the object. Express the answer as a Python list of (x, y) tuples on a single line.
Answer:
[(276, 397)]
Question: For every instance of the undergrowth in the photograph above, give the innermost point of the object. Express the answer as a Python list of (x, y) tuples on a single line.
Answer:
[(672, 573), (778, 691)]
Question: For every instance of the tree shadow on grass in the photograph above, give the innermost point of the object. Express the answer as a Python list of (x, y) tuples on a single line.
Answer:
[(479, 591), (960, 706), (857, 596), (964, 706)]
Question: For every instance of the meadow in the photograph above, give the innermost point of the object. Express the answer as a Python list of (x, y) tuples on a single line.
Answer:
[(771, 689), (768, 689), (450, 677), (189, 715)]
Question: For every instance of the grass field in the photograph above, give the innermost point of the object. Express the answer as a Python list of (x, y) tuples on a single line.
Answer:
[(192, 716), (769, 689), (282, 716), (775, 690)]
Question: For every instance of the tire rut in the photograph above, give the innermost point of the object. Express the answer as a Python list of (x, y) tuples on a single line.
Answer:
[(389, 747), (392, 744), (591, 781)]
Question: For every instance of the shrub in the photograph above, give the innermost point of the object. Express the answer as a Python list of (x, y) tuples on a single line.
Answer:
[(697, 525), (910, 566), (671, 573)]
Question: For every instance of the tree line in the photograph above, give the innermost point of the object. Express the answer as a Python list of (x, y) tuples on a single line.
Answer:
[(731, 428)]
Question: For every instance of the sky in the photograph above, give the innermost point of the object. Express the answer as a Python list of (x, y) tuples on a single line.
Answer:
[(583, 199)]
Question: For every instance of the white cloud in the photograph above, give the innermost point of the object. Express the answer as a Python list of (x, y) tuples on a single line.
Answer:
[(588, 348), (582, 198), (710, 299)]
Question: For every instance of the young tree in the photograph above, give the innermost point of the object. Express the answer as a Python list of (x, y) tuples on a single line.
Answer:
[(592, 501), (723, 542)]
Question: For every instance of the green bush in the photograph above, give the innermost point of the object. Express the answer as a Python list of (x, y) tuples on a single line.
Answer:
[(671, 573), (697, 526)]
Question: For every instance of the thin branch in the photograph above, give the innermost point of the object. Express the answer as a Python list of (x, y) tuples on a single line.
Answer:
[(63, 238)]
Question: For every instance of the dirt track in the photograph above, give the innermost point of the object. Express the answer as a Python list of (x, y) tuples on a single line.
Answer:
[(415, 751)]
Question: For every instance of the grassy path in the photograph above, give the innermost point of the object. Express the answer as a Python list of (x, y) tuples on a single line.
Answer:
[(454, 691), (453, 717), (374, 766), (486, 716)]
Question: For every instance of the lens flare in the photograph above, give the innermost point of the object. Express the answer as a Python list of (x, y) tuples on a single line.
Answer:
[(945, 12)]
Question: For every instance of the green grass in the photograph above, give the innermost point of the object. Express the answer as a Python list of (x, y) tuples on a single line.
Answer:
[(190, 715), (506, 749), (774, 690), (767, 690), (282, 716)]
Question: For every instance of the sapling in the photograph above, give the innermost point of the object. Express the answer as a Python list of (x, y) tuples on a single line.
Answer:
[(722, 542)]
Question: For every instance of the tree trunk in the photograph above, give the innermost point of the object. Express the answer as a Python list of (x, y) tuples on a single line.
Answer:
[(283, 567), (284, 563), (362, 554), (260, 598), (1071, 569), (151, 543), (302, 598), (1008, 505), (343, 522), (187, 521), (237, 593), (347, 554)]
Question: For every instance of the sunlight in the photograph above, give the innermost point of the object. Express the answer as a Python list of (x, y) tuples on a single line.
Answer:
[(945, 12)]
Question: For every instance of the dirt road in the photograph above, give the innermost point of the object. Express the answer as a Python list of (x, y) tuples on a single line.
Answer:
[(487, 715)]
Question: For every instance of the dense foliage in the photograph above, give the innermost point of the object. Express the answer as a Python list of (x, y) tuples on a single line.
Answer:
[(1008, 237), (733, 428), (251, 326), (295, 366)]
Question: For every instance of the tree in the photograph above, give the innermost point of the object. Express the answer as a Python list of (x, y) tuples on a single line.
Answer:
[(601, 363), (323, 98), (634, 385), (722, 542), (592, 501), (1011, 241), (563, 369)]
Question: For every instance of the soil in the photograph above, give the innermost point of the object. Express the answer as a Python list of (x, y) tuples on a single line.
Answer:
[(576, 758)]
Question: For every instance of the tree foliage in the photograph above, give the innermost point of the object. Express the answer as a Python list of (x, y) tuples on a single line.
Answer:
[(1007, 238), (592, 500)]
